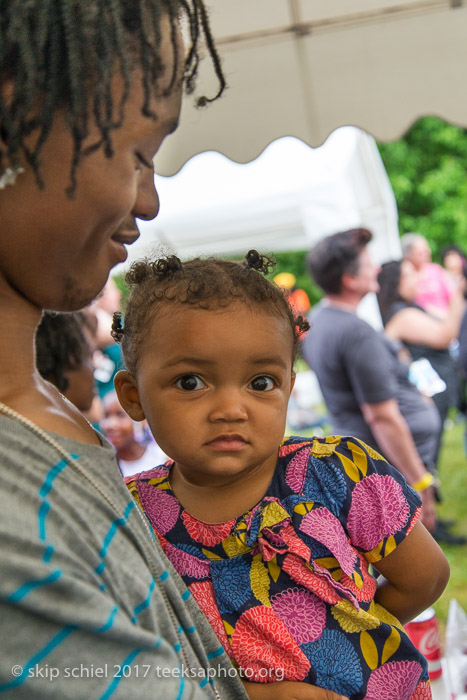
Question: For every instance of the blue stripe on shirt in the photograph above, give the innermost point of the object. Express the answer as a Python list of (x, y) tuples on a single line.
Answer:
[(29, 586), (44, 508), (37, 658), (119, 522)]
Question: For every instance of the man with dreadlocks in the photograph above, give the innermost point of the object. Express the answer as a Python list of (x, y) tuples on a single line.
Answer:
[(90, 607)]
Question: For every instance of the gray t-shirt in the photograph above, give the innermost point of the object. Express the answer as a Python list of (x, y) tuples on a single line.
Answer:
[(354, 365), (89, 605)]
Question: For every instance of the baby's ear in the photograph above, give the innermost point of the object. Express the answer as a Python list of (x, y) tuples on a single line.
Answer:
[(128, 394)]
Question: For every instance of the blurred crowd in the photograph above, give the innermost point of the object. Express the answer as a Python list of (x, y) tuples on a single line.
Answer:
[(76, 353), (395, 389)]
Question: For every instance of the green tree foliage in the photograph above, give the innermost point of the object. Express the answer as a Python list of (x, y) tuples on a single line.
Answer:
[(428, 172)]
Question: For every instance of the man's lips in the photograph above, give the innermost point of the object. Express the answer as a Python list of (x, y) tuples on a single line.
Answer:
[(125, 237), (127, 233)]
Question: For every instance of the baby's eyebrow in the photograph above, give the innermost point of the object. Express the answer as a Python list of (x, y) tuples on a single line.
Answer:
[(183, 359), (270, 361), (192, 360)]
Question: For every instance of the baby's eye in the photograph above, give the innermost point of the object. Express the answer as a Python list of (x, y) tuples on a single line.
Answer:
[(262, 383), (190, 382)]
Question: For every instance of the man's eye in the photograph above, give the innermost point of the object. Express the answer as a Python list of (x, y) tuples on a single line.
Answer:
[(262, 383), (143, 162), (190, 382)]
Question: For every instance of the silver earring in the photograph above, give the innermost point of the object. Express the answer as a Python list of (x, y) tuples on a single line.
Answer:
[(8, 177)]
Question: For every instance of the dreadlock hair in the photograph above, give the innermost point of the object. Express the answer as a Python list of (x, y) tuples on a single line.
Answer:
[(209, 283), (61, 347), (63, 54)]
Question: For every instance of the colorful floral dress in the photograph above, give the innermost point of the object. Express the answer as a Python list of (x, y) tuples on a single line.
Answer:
[(286, 586)]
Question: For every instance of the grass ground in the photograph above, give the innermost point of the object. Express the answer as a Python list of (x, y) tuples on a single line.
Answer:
[(453, 474)]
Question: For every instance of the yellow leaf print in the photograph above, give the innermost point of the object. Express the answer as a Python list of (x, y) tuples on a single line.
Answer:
[(391, 645), (304, 508), (369, 650), (333, 440), (389, 546), (323, 449), (384, 615), (353, 620), (211, 555), (371, 452), (350, 468), (229, 630), (234, 545), (133, 489), (328, 562), (374, 554), (357, 579), (259, 581), (159, 482), (272, 514), (359, 457), (274, 569)]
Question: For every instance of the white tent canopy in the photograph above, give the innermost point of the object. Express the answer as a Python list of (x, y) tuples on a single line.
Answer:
[(305, 67), (287, 199)]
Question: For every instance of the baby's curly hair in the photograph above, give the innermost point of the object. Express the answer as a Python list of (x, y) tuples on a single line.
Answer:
[(205, 283)]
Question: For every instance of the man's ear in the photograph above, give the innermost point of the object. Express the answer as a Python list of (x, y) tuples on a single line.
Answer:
[(128, 395), (348, 282)]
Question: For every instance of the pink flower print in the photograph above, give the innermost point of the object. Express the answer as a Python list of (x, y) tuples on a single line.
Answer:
[(422, 692), (396, 679), (161, 508), (294, 543), (155, 473), (187, 564), (302, 612), (379, 509), (262, 645), (296, 470), (327, 529), (299, 572), (206, 533), (203, 593)]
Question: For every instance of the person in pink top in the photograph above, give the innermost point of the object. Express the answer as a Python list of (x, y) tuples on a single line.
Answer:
[(435, 288)]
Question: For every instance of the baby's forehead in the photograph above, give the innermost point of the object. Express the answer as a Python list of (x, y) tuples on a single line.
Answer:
[(166, 312), (240, 325)]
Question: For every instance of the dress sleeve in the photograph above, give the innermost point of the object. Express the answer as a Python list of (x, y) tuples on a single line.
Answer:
[(368, 498)]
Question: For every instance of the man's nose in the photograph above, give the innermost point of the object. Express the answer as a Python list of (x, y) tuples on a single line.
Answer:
[(146, 204)]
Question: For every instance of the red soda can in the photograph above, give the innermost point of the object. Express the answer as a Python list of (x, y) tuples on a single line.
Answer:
[(424, 634)]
